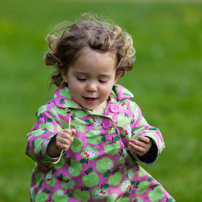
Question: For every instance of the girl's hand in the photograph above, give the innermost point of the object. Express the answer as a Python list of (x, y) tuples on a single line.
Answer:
[(64, 138), (140, 146)]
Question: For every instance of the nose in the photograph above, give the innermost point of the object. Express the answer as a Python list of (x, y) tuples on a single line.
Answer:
[(91, 87)]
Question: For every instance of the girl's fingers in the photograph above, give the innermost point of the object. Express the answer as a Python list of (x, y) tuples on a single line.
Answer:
[(146, 140), (136, 146), (139, 152), (140, 146), (64, 138), (73, 131), (137, 143), (64, 141)]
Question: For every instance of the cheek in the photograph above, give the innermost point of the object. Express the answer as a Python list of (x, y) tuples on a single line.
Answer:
[(106, 90), (75, 87)]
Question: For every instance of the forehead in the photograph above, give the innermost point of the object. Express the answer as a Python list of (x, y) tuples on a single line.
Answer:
[(87, 51), (88, 57)]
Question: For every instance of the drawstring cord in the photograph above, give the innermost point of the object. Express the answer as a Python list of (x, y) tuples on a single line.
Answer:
[(69, 111)]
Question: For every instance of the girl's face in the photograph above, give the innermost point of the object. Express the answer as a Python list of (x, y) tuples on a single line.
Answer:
[(91, 78)]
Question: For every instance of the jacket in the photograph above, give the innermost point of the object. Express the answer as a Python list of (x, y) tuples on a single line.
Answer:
[(98, 165)]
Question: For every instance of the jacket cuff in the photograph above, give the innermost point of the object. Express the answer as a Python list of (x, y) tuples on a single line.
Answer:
[(150, 156)]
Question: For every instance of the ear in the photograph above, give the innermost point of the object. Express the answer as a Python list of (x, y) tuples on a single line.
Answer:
[(64, 75)]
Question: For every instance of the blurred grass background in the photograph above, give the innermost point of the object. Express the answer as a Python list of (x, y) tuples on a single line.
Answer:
[(166, 82)]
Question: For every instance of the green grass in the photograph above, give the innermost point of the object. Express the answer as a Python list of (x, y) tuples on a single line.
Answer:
[(166, 83)]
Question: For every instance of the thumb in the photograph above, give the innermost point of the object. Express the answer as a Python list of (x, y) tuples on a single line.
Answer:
[(73, 132)]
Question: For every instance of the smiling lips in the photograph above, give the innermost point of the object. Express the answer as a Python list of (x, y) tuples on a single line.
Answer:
[(90, 100)]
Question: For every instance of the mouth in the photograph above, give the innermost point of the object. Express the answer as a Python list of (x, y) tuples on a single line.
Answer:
[(90, 100)]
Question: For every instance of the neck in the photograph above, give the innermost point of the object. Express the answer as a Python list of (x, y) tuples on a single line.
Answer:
[(102, 107)]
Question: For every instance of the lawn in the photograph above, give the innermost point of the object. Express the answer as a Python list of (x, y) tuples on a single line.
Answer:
[(165, 81)]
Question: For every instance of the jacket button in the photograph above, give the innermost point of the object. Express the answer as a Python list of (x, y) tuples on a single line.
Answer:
[(114, 108), (106, 123)]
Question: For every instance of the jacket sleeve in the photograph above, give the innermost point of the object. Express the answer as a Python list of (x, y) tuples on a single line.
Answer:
[(44, 130), (140, 127)]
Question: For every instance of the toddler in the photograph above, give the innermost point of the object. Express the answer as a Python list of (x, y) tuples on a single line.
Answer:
[(89, 138)]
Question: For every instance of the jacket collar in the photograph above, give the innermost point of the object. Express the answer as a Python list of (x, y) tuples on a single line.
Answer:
[(63, 98)]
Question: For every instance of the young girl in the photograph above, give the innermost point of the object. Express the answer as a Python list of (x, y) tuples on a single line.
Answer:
[(90, 136)]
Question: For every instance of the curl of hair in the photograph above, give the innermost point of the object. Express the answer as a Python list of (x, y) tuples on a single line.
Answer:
[(65, 44)]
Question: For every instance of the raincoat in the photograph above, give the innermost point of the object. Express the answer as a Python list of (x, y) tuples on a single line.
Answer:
[(98, 165)]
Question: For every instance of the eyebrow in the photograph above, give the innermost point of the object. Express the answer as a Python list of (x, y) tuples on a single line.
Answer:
[(85, 73)]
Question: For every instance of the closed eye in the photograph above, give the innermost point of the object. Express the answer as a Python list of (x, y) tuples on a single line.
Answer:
[(81, 79), (102, 81)]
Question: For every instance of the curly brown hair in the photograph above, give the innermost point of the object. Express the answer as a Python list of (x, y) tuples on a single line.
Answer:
[(101, 36)]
